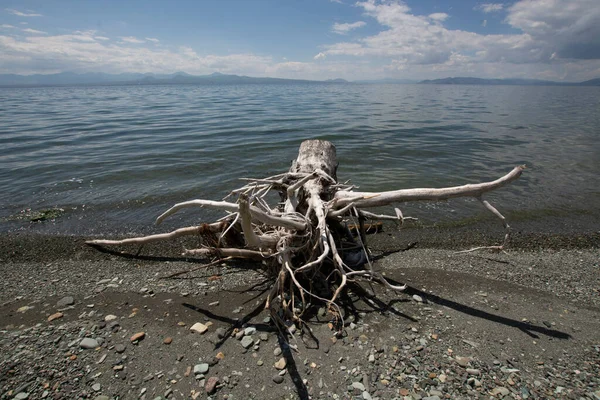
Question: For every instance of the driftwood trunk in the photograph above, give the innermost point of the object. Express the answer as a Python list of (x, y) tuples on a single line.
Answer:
[(304, 241)]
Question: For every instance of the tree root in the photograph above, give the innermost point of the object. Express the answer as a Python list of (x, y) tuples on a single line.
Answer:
[(304, 241)]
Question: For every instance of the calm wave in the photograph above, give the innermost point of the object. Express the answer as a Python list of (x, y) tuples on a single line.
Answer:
[(115, 157)]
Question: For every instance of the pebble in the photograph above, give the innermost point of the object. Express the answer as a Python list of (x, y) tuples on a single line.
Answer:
[(249, 331), (280, 364), (88, 343), (359, 386), (211, 384), (247, 341), (55, 316), (21, 396), (221, 332), (462, 361), (110, 317), (168, 340), (417, 298), (500, 391), (96, 387), (201, 368), (199, 328), (277, 352), (138, 336), (65, 301), (277, 379), (366, 396), (120, 348)]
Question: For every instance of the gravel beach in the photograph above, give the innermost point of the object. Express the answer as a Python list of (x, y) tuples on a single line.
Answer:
[(77, 322)]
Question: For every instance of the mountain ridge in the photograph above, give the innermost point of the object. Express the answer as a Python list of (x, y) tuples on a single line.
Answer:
[(134, 78)]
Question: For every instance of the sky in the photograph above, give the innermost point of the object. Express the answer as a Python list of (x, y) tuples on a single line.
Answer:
[(305, 39)]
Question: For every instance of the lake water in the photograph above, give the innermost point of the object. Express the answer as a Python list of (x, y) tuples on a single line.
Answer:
[(115, 157)]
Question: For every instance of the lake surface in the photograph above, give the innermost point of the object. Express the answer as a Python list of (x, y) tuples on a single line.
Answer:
[(116, 157)]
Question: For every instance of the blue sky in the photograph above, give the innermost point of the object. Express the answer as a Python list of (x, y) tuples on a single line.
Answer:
[(310, 39)]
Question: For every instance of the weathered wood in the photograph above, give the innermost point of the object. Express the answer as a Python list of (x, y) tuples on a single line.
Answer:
[(304, 240)]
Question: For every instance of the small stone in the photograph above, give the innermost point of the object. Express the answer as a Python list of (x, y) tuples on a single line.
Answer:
[(168, 340), (96, 387), (249, 331), (120, 348), (201, 368), (211, 384), (417, 298), (247, 341), (371, 358), (21, 396), (55, 316), (366, 396), (220, 355), (359, 386), (280, 364), (138, 336), (264, 337), (65, 301), (221, 332), (24, 309), (502, 391), (462, 361), (260, 363), (277, 351), (88, 343), (473, 371), (278, 379), (102, 397), (199, 328), (110, 317)]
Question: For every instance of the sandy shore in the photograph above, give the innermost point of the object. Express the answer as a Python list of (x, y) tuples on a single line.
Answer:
[(521, 324)]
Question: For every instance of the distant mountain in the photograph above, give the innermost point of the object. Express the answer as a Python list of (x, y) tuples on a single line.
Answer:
[(71, 78), (521, 82), (388, 80), (591, 82)]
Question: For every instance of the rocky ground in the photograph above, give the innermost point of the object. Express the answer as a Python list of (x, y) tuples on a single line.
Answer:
[(79, 323)]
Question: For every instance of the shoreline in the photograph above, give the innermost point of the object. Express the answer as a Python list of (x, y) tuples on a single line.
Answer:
[(521, 324)]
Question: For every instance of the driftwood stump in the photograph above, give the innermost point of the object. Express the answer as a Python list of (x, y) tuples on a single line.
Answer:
[(304, 241)]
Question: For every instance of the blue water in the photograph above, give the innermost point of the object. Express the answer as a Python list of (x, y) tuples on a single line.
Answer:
[(115, 157)]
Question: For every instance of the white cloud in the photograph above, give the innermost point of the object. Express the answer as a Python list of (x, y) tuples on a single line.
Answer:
[(132, 39), (484, 23), (83, 52), (490, 7), (439, 16), (571, 29), (7, 26), (342, 29), (153, 40), (560, 27), (23, 14), (34, 31), (550, 39)]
